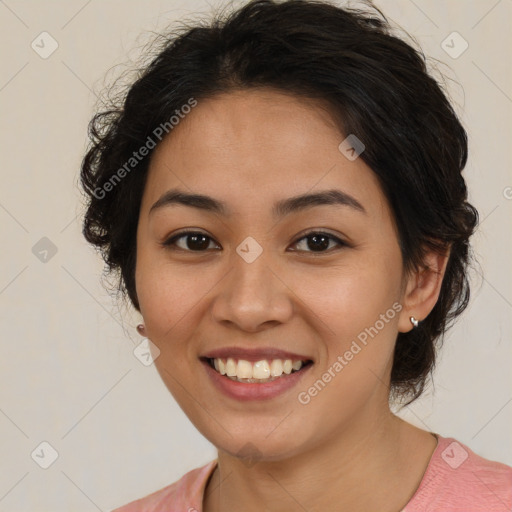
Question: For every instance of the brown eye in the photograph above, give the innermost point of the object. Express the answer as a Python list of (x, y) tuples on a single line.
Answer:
[(192, 241), (318, 242)]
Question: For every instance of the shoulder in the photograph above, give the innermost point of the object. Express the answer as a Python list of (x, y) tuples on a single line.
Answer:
[(185, 494), (457, 479)]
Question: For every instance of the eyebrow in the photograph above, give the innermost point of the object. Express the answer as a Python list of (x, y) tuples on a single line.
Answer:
[(280, 209)]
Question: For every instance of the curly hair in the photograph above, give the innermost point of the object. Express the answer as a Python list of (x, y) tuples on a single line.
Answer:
[(377, 87)]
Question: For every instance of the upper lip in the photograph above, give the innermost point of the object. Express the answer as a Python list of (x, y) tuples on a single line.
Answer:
[(254, 354)]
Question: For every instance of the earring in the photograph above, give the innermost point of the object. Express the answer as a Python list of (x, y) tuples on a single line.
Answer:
[(414, 322), (140, 329)]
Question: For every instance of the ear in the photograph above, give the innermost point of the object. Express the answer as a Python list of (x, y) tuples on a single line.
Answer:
[(422, 288)]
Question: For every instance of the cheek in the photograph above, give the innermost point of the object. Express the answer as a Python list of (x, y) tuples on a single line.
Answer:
[(358, 307), (351, 297), (170, 302), (168, 293), (359, 344)]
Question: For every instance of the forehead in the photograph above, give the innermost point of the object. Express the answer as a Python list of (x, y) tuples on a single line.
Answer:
[(256, 121), (252, 147)]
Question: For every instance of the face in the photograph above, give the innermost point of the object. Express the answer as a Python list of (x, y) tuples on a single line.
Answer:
[(320, 281)]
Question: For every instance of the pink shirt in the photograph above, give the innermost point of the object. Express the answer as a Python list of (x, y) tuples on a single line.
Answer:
[(456, 480)]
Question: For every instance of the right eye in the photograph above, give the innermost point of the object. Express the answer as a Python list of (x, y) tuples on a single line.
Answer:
[(194, 241)]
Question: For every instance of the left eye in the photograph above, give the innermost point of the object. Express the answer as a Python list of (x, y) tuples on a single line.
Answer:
[(319, 242), (196, 241)]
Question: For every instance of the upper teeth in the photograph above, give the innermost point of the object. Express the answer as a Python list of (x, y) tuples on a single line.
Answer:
[(260, 370)]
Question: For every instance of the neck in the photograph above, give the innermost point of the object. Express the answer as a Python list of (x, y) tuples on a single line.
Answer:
[(374, 465)]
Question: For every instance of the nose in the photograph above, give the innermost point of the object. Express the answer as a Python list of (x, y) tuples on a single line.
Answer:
[(252, 296)]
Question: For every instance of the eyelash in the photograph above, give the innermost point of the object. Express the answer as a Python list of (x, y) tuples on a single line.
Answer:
[(169, 243)]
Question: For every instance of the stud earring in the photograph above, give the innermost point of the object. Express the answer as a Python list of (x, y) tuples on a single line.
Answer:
[(140, 329), (414, 322)]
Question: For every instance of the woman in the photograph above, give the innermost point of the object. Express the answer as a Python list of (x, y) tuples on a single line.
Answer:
[(281, 194)]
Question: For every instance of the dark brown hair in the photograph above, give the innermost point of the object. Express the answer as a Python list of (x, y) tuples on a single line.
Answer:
[(377, 87)]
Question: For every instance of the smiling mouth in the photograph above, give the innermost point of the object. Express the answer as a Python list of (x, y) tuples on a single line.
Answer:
[(266, 370)]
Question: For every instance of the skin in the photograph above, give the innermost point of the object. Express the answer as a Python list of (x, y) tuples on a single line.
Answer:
[(250, 149)]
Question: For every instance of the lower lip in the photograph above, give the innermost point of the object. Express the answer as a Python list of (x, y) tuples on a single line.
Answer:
[(254, 390)]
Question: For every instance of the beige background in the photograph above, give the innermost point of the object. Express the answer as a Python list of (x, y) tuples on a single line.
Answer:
[(68, 373)]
